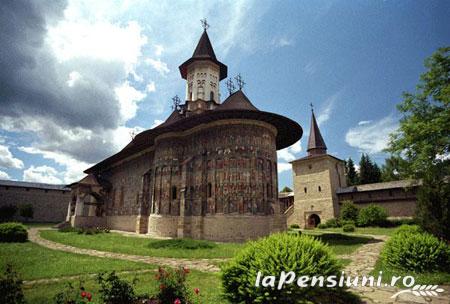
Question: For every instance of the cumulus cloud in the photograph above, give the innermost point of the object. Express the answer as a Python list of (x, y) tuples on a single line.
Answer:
[(282, 167), (7, 160), (158, 65), (288, 154), (41, 174), (364, 122), (4, 175), (372, 137), (328, 107)]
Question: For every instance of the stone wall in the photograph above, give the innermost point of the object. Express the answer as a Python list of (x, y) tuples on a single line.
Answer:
[(48, 205)]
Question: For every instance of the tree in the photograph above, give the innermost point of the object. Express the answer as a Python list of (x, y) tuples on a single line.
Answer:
[(369, 172), (392, 169), (349, 212), (352, 175), (286, 189), (423, 140)]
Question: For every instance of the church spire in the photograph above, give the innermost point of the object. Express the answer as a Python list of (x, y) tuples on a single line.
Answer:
[(316, 144)]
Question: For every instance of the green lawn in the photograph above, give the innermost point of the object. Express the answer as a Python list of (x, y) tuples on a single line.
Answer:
[(32, 261), (340, 243), (115, 242), (363, 230)]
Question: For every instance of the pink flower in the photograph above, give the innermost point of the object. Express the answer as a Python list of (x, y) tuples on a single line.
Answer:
[(177, 301), (197, 291)]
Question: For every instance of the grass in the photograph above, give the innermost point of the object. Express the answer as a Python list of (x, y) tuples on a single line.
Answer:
[(32, 261), (340, 243), (208, 283), (431, 278), (364, 230), (115, 242)]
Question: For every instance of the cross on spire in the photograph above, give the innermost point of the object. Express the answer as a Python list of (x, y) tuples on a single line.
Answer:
[(312, 107), (176, 102), (205, 24), (240, 82), (230, 86)]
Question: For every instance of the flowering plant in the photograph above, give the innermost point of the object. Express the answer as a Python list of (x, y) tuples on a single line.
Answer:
[(173, 287)]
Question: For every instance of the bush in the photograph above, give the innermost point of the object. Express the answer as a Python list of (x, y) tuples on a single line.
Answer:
[(322, 226), (172, 285), (189, 244), (303, 255), (411, 250), (72, 295), (295, 226), (7, 212), (114, 290), (372, 215), (408, 229), (349, 212), (13, 232), (332, 223), (348, 228), (11, 287), (26, 211), (346, 222)]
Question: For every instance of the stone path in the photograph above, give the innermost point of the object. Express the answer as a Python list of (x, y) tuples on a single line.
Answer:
[(208, 265), (363, 262)]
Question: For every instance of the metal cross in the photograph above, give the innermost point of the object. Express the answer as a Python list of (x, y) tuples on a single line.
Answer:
[(312, 107), (205, 24), (230, 86), (240, 82), (176, 102)]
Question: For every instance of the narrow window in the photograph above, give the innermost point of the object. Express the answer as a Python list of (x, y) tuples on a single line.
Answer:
[(209, 190), (306, 190), (268, 190), (320, 189), (174, 192), (211, 96)]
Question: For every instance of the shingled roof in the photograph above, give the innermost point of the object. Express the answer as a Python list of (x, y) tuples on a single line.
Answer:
[(316, 144), (237, 101), (204, 51)]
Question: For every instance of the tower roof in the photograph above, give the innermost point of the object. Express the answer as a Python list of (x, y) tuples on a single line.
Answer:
[(237, 101), (316, 144), (204, 51)]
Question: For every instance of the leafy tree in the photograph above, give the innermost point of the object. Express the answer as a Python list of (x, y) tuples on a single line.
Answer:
[(423, 140), (349, 212), (286, 189), (369, 172), (352, 175), (392, 169)]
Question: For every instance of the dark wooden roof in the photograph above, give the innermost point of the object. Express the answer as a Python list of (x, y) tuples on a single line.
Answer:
[(204, 51), (18, 184), (236, 106), (315, 141)]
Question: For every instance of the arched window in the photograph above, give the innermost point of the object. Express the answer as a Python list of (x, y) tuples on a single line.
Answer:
[(174, 192), (211, 96), (306, 190), (320, 189), (209, 190)]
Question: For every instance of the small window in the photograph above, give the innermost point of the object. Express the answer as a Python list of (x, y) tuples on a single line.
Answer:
[(209, 190), (190, 95), (320, 189), (306, 190), (27, 189), (310, 167), (211, 96), (174, 192)]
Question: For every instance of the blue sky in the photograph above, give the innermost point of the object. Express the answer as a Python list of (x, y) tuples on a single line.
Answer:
[(96, 71)]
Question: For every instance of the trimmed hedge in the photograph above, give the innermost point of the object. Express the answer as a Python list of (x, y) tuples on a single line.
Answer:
[(411, 249), (348, 228), (372, 215), (303, 255), (332, 223), (13, 232)]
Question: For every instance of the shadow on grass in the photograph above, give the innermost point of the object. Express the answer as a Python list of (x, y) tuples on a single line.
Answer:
[(189, 244), (344, 239)]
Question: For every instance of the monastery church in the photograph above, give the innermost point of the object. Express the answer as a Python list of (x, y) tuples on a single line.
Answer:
[(210, 170)]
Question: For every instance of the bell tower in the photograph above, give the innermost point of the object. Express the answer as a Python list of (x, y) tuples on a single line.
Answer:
[(202, 73)]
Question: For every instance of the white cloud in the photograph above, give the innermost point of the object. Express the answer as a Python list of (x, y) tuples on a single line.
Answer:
[(372, 137), (311, 67), (282, 42), (156, 123), (4, 175), (364, 122), (328, 107), (282, 167), (41, 174), (74, 76), (158, 65), (128, 98), (151, 87), (7, 160), (158, 49)]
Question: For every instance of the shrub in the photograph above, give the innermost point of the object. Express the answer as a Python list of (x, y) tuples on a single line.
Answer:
[(114, 290), (408, 229), (348, 228), (372, 215), (189, 244), (172, 285), (26, 211), (72, 295), (411, 250), (295, 226), (13, 232), (342, 223), (271, 255), (7, 212), (349, 212), (11, 287), (332, 223), (322, 226)]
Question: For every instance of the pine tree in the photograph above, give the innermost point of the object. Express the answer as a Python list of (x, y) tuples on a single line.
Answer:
[(369, 172), (352, 175)]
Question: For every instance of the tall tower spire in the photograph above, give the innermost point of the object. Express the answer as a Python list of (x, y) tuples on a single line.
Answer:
[(203, 72), (316, 144)]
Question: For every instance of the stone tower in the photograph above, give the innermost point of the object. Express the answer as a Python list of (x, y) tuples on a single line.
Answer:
[(316, 178)]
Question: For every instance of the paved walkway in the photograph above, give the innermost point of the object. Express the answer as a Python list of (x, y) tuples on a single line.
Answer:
[(362, 263), (209, 265)]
